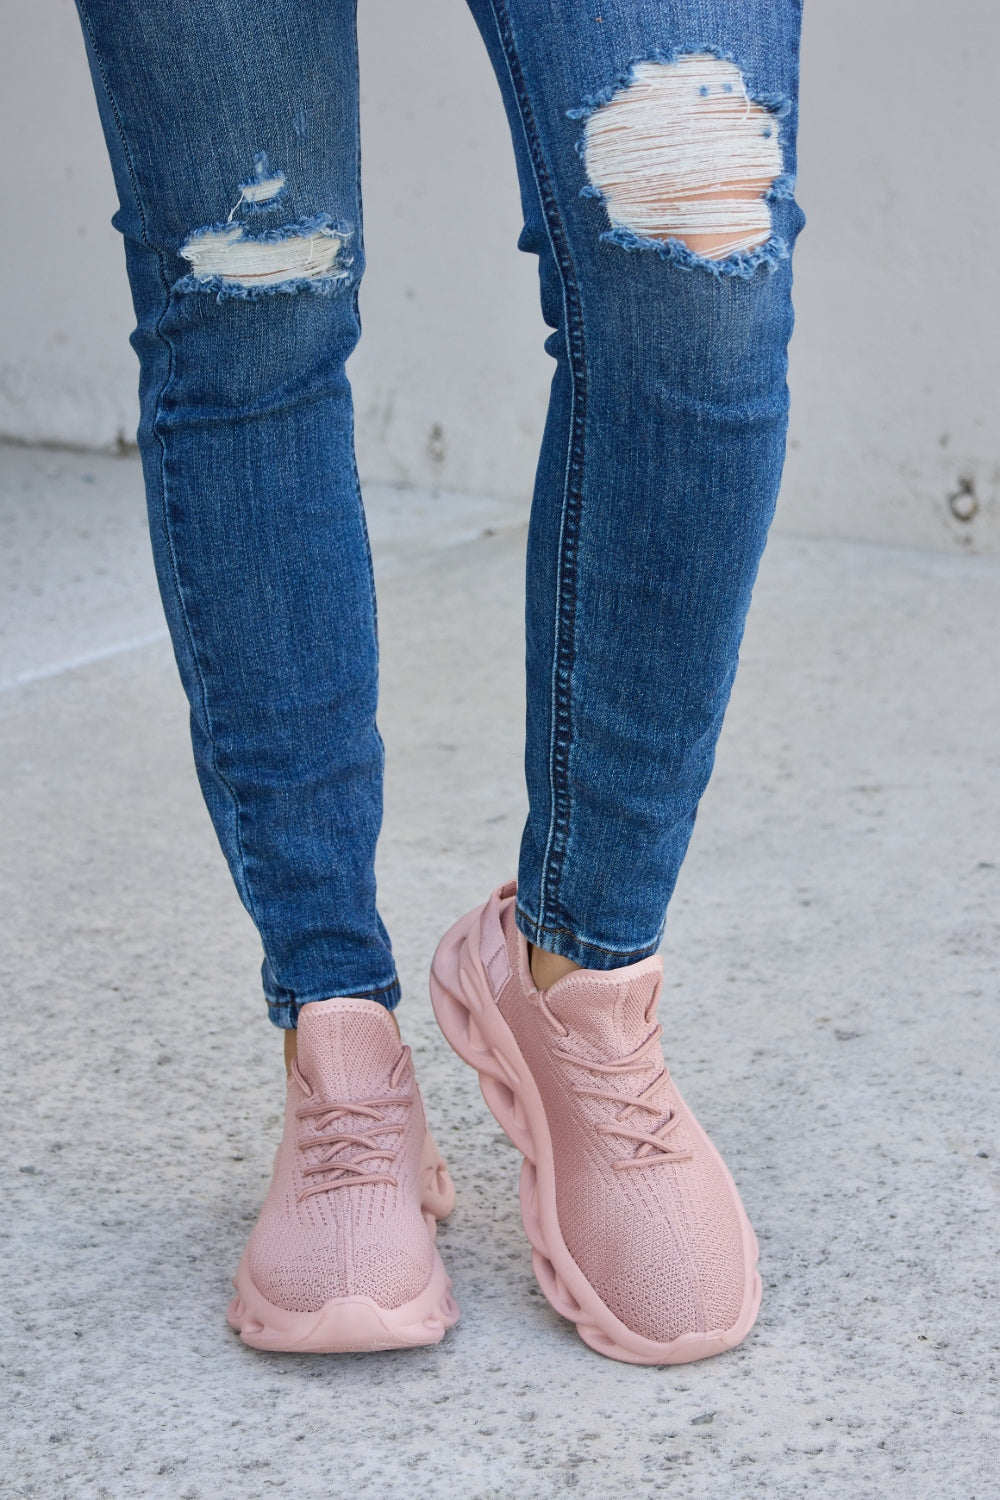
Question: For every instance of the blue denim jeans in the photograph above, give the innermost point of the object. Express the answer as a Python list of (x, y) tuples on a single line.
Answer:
[(233, 134)]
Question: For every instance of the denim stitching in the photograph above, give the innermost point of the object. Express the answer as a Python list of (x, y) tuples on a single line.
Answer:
[(632, 955), (158, 434), (359, 213), (372, 592), (560, 741)]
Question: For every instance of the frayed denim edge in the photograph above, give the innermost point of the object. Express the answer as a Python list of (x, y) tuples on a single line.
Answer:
[(777, 104), (249, 207), (324, 286), (262, 169), (745, 262), (309, 225)]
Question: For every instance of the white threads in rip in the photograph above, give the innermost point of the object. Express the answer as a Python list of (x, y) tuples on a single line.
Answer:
[(265, 186), (682, 152), (229, 255), (262, 189)]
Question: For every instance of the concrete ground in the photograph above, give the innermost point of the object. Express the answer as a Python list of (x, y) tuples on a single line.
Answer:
[(831, 1012)]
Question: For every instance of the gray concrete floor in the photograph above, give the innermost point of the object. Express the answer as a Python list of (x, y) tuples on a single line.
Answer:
[(831, 1012)]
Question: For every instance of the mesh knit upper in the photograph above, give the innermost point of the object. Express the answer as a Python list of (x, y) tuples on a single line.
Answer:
[(368, 1239), (660, 1244)]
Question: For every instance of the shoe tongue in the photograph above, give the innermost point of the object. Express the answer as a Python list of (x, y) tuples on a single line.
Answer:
[(347, 1049), (608, 1015)]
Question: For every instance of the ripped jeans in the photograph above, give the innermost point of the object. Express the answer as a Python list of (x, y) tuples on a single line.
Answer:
[(655, 143)]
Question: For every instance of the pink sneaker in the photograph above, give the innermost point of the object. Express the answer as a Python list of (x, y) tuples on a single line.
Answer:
[(638, 1231), (343, 1255)]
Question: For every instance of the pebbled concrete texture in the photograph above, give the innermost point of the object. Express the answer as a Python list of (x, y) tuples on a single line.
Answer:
[(830, 1011)]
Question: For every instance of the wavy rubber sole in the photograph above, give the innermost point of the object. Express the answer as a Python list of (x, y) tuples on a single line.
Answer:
[(351, 1325), (468, 1015)]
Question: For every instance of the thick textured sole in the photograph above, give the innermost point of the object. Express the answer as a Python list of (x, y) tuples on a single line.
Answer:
[(353, 1325), (468, 1015)]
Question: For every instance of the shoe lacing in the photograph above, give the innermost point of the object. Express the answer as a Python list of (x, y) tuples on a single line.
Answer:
[(346, 1163), (652, 1149)]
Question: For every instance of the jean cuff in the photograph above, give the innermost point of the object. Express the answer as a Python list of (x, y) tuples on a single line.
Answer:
[(579, 950), (285, 1013)]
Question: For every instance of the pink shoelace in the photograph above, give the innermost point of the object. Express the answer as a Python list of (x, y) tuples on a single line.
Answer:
[(350, 1151), (652, 1147)]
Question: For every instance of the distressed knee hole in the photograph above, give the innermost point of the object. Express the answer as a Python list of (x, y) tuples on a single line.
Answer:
[(682, 152), (231, 256), (227, 259)]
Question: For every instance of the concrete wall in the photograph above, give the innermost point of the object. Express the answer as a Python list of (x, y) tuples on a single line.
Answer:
[(896, 362)]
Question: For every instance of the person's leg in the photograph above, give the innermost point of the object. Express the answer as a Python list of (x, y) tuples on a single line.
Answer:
[(235, 151), (233, 135), (656, 150), (665, 434)]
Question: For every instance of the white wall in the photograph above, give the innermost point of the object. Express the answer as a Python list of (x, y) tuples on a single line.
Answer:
[(896, 362)]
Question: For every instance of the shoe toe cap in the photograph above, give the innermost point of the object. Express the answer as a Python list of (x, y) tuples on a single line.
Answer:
[(304, 1273), (667, 1268)]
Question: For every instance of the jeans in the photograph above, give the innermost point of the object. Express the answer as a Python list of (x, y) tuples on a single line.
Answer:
[(233, 134)]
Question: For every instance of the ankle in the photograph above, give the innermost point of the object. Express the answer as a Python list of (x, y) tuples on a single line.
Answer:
[(547, 968)]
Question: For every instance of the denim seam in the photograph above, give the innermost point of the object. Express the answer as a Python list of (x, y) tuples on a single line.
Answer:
[(157, 432), (373, 593), (560, 735), (359, 212)]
